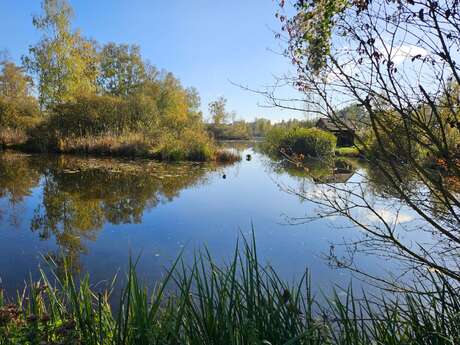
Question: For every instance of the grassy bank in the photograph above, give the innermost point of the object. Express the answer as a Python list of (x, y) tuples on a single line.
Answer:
[(129, 145), (238, 303), (352, 152), (139, 145)]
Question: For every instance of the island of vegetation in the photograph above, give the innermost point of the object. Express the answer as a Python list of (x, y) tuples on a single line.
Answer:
[(73, 95)]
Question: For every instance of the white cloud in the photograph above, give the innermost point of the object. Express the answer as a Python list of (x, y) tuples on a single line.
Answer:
[(390, 217), (323, 193), (349, 60), (399, 54)]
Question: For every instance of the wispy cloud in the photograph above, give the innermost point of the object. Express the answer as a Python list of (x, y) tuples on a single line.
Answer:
[(398, 54), (390, 217), (350, 65)]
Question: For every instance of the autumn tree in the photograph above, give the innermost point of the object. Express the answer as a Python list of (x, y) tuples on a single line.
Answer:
[(217, 111), (88, 91), (63, 62), (194, 104), (14, 83), (18, 107), (173, 103)]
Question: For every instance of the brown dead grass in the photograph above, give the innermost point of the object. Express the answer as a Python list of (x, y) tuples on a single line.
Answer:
[(10, 137)]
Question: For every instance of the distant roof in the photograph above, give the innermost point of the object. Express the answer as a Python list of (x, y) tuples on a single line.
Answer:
[(336, 125)]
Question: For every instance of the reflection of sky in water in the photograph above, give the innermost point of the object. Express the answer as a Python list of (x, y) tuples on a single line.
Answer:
[(213, 212)]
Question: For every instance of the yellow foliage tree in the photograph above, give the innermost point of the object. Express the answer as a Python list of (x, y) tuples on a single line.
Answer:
[(64, 62)]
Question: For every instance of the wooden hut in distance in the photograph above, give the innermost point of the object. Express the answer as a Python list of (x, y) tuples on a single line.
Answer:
[(344, 132)]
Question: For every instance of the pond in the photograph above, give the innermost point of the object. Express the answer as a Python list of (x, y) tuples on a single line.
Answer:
[(99, 212)]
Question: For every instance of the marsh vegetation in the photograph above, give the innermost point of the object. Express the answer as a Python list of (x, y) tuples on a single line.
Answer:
[(387, 212)]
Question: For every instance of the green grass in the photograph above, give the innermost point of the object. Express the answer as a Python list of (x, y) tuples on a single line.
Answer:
[(347, 151), (241, 302)]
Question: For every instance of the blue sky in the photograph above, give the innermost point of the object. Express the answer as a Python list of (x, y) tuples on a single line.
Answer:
[(207, 44)]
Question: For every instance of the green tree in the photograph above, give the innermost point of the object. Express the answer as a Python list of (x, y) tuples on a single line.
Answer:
[(18, 108), (13, 82), (260, 127), (354, 113), (64, 63), (122, 70), (194, 104), (173, 103), (219, 114)]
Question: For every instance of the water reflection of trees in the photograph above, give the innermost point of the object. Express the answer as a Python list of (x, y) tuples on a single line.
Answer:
[(237, 145), (423, 195), (317, 171), (378, 183), (80, 195), (375, 204), (16, 182), (371, 178), (16, 177)]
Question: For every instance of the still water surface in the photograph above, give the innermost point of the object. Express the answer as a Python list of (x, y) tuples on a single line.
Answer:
[(100, 212)]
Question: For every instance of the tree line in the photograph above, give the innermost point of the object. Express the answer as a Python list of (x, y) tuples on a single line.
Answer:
[(224, 125)]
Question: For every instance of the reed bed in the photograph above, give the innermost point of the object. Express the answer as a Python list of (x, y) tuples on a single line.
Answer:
[(128, 145), (165, 148), (241, 302), (11, 137)]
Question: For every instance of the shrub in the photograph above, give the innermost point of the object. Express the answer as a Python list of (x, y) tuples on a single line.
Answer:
[(19, 110), (17, 116), (109, 125), (199, 146), (190, 144), (238, 130), (15, 113), (95, 115), (41, 139), (273, 139), (311, 142), (397, 140)]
